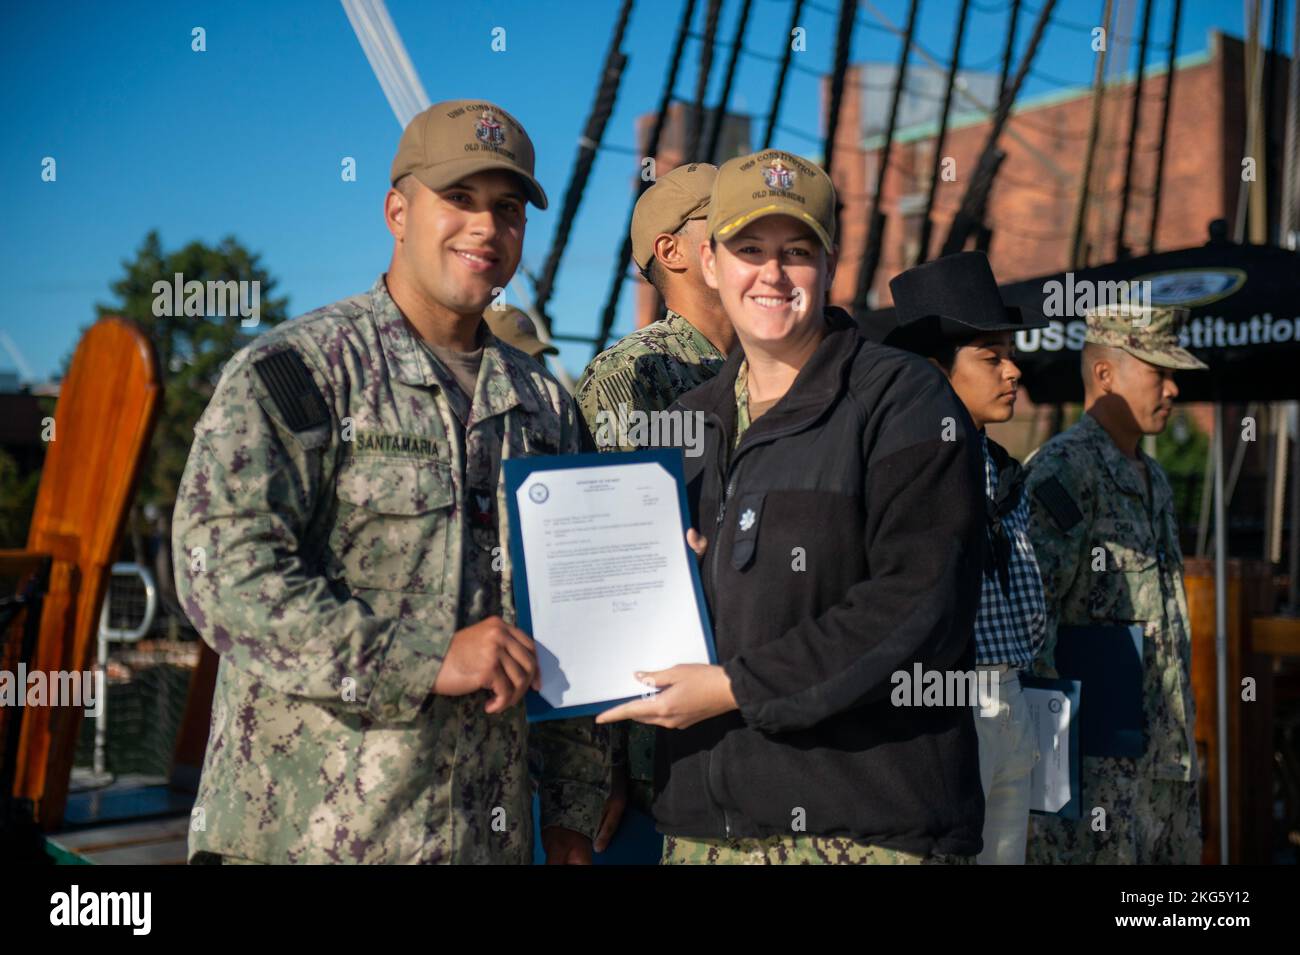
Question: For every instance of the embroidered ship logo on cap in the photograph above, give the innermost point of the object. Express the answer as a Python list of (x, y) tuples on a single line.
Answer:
[(489, 131), (778, 176)]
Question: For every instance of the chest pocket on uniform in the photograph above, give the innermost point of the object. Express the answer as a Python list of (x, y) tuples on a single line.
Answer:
[(1120, 589), (394, 519)]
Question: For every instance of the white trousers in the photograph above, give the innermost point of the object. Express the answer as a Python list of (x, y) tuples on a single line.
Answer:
[(1008, 753)]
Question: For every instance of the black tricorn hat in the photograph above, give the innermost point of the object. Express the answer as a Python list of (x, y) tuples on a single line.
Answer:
[(954, 298)]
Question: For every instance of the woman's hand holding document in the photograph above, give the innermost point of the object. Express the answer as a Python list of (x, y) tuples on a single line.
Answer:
[(604, 580)]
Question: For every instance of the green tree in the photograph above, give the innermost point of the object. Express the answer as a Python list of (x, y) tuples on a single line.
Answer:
[(17, 499), (1181, 450), (192, 350)]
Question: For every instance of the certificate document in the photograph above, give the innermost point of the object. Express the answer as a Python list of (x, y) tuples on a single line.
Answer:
[(604, 581), (1053, 712)]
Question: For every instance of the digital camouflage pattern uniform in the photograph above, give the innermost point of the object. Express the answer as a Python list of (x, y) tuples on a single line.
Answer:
[(645, 371), (337, 522), (793, 849), (1152, 812)]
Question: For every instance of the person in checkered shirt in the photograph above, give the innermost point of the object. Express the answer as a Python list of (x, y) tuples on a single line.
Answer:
[(950, 312)]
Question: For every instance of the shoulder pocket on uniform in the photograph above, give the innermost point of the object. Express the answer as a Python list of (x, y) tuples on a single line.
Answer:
[(310, 439), (293, 391), (1056, 500)]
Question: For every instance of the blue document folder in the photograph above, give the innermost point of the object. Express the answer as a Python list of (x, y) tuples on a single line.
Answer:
[(1107, 661), (517, 472)]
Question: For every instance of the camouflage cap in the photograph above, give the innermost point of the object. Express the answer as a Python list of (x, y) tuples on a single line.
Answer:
[(457, 138), (676, 197), (515, 327), (1146, 332), (772, 183)]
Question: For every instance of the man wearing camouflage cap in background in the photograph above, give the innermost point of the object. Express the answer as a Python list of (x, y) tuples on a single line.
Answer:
[(340, 540), (647, 371), (1106, 539), (515, 327)]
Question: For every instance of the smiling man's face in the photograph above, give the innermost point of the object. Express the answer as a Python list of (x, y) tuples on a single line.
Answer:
[(461, 244)]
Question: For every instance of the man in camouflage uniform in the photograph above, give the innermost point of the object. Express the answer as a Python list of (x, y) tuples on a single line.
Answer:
[(647, 371), (653, 366), (340, 541), (1104, 532)]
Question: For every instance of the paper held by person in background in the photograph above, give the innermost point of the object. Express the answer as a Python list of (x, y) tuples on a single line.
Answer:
[(604, 581), (1053, 713)]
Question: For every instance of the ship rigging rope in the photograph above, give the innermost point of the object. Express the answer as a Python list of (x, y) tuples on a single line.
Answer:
[(387, 57)]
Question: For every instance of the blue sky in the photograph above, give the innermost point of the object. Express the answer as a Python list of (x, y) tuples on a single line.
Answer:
[(246, 139)]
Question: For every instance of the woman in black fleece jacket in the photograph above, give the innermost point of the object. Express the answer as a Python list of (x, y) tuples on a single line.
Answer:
[(840, 489)]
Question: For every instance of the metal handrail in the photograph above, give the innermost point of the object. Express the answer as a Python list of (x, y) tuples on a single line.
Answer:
[(120, 635)]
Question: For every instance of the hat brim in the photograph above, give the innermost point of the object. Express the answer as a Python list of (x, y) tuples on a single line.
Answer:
[(1016, 321), (449, 173), (727, 230), (1176, 358), (929, 329)]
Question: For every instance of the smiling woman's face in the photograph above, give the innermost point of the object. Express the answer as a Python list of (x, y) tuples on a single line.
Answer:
[(772, 278)]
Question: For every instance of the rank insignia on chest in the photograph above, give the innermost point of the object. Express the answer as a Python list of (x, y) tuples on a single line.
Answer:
[(481, 506)]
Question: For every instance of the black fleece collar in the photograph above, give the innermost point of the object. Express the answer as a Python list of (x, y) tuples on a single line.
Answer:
[(819, 382)]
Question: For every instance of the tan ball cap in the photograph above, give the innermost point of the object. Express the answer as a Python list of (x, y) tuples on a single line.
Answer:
[(515, 327), (458, 138), (772, 183), (676, 197)]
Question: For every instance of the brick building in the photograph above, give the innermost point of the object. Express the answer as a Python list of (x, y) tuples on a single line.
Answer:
[(1031, 207), (1032, 204)]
